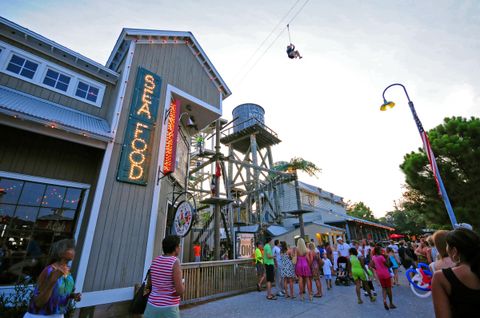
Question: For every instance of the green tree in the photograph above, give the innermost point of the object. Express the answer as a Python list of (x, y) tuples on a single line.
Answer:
[(404, 221), (456, 144), (360, 210), (299, 164)]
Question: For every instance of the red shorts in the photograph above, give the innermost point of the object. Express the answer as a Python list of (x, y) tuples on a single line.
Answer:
[(385, 282)]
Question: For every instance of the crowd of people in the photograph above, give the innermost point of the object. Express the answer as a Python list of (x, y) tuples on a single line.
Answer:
[(453, 257)]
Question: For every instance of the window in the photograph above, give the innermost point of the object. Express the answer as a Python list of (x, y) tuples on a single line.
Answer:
[(22, 66), (57, 80), (87, 91), (33, 215), (32, 68)]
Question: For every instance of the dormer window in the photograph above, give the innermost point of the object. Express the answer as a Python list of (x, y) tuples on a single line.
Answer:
[(22, 66), (31, 68), (56, 80)]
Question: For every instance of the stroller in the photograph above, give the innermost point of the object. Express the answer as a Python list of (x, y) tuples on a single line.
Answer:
[(342, 272)]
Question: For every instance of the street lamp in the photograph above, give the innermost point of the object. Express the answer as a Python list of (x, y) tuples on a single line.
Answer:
[(428, 150)]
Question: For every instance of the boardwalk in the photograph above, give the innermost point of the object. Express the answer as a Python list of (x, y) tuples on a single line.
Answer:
[(338, 302)]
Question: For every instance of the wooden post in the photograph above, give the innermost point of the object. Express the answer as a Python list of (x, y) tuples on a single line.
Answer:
[(216, 233)]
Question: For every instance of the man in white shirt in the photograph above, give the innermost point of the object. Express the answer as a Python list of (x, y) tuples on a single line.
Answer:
[(343, 254), (278, 269), (342, 248)]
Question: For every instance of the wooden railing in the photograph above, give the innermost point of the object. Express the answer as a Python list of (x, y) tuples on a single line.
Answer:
[(208, 280)]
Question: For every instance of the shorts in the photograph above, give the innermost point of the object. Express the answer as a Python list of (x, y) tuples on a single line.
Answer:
[(328, 276), (260, 269), (359, 275), (270, 270), (385, 282), (165, 312)]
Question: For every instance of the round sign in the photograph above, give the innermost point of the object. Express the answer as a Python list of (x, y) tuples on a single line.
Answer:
[(183, 218)]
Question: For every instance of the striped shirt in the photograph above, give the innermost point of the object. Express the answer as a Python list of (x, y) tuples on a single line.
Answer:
[(163, 287)]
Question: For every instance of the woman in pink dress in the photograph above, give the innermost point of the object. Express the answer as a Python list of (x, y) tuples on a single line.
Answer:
[(379, 263), (302, 269)]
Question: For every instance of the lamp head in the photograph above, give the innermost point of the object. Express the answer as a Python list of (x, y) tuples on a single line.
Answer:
[(190, 122), (386, 105)]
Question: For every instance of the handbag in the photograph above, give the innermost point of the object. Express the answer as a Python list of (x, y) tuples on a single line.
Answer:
[(139, 302)]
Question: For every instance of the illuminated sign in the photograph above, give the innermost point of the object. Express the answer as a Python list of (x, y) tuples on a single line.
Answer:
[(135, 157), (171, 138)]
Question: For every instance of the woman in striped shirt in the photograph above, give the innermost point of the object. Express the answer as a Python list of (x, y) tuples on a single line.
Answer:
[(166, 281)]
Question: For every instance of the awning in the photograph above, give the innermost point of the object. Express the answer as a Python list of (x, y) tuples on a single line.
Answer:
[(247, 228), (28, 107), (276, 230)]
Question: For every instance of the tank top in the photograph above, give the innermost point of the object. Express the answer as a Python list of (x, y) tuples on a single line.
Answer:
[(163, 287), (60, 298), (463, 300), (356, 265)]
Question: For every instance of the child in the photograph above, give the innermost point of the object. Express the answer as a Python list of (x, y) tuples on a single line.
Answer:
[(370, 277), (394, 267), (327, 270), (357, 272)]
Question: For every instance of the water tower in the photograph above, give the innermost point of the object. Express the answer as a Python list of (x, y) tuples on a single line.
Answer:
[(251, 181)]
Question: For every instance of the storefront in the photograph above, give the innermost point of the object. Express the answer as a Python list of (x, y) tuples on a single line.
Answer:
[(97, 153)]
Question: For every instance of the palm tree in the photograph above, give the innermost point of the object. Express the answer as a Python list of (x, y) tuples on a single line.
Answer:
[(292, 167)]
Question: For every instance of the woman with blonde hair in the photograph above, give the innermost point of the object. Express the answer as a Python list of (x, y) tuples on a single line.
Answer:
[(315, 265), (302, 269), (443, 260)]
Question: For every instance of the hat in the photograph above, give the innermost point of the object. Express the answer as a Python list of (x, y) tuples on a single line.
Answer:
[(339, 238)]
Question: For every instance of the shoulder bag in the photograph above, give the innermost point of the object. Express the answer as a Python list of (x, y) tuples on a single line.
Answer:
[(140, 299)]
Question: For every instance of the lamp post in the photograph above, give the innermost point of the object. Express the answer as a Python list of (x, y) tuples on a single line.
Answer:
[(428, 150)]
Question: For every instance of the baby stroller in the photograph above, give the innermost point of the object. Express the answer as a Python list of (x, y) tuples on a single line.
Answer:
[(342, 272)]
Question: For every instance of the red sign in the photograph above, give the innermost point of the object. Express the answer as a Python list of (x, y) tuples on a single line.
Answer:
[(171, 139)]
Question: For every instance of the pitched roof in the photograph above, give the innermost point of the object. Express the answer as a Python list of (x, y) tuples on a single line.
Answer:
[(38, 110), (166, 37), (18, 32)]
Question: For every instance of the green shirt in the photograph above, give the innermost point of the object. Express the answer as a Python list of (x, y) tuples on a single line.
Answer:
[(267, 251), (258, 256)]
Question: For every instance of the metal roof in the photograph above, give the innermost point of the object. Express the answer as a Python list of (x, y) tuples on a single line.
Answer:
[(38, 110), (166, 37), (320, 192)]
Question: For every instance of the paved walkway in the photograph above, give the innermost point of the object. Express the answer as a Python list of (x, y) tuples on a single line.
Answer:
[(337, 302)]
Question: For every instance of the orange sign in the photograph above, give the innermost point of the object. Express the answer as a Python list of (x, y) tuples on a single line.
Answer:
[(171, 139)]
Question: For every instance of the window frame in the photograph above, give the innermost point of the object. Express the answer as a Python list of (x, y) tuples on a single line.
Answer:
[(40, 73), (7, 289), (27, 58), (90, 85), (44, 75)]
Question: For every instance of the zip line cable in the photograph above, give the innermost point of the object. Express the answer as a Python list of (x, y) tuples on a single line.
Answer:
[(289, 37), (273, 42), (266, 39)]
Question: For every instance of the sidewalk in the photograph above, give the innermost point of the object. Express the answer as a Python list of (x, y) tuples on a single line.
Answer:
[(337, 302)]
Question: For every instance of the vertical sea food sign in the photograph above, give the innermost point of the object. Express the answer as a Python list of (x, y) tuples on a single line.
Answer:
[(136, 152)]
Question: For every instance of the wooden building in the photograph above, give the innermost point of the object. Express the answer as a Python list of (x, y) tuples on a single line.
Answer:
[(84, 147)]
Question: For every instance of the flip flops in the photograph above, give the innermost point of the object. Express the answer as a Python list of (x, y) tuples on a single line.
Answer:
[(271, 297)]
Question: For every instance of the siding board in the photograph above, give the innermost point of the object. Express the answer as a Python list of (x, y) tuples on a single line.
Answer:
[(118, 253)]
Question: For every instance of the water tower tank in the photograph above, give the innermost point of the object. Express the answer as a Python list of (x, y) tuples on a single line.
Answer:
[(248, 115)]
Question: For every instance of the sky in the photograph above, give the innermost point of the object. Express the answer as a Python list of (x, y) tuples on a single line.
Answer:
[(324, 107)]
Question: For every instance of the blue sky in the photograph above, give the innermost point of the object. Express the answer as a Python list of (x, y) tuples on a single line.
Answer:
[(325, 106)]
